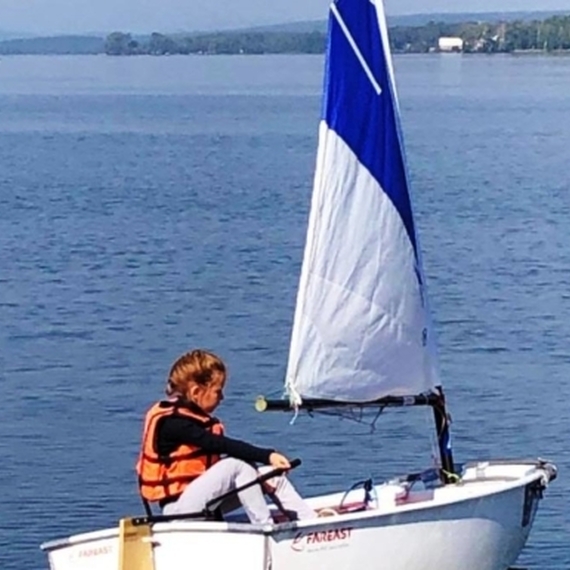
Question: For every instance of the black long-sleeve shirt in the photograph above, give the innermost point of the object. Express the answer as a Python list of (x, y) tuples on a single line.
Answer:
[(174, 431)]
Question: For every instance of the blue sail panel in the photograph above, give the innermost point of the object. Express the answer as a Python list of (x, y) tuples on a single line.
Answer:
[(365, 119)]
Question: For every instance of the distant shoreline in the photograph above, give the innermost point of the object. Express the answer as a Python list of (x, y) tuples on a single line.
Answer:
[(518, 53), (548, 36)]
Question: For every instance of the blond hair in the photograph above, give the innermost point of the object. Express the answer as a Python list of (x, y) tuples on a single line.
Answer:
[(196, 366)]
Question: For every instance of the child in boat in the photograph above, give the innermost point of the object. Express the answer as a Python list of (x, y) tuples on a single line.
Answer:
[(181, 466)]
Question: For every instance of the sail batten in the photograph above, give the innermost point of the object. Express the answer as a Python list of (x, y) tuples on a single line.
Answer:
[(362, 329)]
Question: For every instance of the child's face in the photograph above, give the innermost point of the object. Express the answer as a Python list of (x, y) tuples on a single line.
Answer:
[(208, 397)]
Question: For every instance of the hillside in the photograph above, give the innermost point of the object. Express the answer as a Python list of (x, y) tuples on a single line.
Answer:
[(416, 20), (57, 45), (457, 18)]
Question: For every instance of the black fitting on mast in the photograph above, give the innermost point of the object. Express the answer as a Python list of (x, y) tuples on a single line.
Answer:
[(443, 436)]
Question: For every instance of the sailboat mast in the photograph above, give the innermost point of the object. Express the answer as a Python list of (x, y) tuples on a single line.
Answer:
[(442, 421)]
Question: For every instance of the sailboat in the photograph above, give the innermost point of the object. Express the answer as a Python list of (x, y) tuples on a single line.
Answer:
[(362, 339)]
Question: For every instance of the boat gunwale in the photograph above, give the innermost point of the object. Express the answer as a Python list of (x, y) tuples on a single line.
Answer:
[(539, 472), (510, 485)]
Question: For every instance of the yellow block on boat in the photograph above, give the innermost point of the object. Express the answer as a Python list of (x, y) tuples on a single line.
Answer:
[(135, 546)]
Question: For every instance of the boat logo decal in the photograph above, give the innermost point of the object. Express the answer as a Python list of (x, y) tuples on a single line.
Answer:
[(91, 552), (321, 539)]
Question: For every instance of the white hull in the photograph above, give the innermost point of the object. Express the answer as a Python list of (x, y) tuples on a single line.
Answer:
[(481, 523)]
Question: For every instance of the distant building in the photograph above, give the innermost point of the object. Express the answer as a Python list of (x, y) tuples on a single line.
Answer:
[(450, 44)]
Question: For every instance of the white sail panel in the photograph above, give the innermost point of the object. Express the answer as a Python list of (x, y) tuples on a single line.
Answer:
[(360, 323)]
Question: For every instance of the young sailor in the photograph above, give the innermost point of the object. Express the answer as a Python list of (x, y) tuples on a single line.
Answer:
[(186, 459)]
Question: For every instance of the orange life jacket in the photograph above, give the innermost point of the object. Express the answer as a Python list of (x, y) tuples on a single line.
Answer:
[(165, 477)]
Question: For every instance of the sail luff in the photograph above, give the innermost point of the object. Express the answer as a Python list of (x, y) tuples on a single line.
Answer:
[(361, 326), (309, 254)]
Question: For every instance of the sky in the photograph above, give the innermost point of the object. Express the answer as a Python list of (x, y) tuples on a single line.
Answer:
[(77, 16)]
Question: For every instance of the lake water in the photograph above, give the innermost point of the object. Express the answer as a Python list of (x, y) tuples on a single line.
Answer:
[(150, 205)]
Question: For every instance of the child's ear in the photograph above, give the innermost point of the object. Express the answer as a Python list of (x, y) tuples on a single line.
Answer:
[(193, 390)]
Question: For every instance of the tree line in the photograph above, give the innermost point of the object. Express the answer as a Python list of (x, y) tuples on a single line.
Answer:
[(548, 35), (552, 34), (119, 43)]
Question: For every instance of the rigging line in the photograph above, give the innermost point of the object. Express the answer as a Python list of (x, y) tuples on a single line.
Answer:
[(356, 414), (433, 437), (373, 424), (356, 50)]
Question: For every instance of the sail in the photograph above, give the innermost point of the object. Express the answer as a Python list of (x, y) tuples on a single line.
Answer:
[(362, 328)]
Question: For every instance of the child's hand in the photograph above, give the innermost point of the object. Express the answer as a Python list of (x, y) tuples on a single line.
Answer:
[(279, 461)]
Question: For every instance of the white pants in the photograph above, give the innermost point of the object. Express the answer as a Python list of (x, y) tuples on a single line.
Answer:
[(230, 473)]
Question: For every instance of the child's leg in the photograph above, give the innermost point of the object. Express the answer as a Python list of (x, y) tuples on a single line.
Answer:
[(222, 477)]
